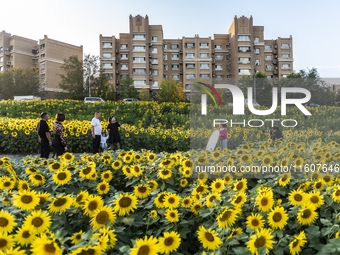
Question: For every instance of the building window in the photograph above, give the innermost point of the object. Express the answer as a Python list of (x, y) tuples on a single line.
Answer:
[(243, 49), (154, 61), (189, 45), (138, 59), (174, 57), (285, 55), (107, 55), (138, 37), (124, 67), (257, 51), (219, 77), (1, 58), (123, 46), (165, 67), (154, 38), (256, 39), (284, 45), (139, 48), (219, 57), (42, 56), (257, 62), (107, 45), (155, 83), (243, 60), (139, 71), (124, 56), (189, 86), (190, 76), (107, 65), (190, 66), (268, 47), (284, 75), (269, 67), (124, 76), (244, 72), (139, 82), (204, 55), (205, 76), (42, 46), (218, 47), (285, 66), (1, 48), (244, 38), (174, 67), (109, 76), (42, 66), (174, 46), (204, 45), (165, 76), (189, 55), (42, 76), (165, 57), (1, 68), (154, 50), (268, 57), (155, 72), (218, 67), (165, 46), (269, 77), (175, 77), (204, 66)]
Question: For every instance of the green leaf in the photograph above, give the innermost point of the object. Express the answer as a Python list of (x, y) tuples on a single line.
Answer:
[(232, 241), (278, 251), (325, 222), (241, 251), (124, 249), (328, 249)]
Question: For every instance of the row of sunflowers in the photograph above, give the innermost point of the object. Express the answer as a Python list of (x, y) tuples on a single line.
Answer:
[(142, 202)]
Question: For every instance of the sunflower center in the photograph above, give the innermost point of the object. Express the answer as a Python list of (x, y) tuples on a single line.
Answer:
[(314, 176), (211, 199), (26, 199), (264, 201), (50, 248), (3, 243), (172, 215), (136, 168), (24, 186), (56, 166), (92, 205), (60, 202), (217, 185), (295, 243), (38, 177), (337, 193), (197, 207), (171, 200), (79, 198), (200, 189), (42, 200), (306, 213), (209, 237), (165, 172), (277, 217), (314, 199), (297, 197), (226, 215), (26, 234), (238, 199), (37, 222), (239, 186), (142, 189), (106, 176), (62, 176), (186, 202), (7, 184), (327, 178), (87, 170), (168, 241), (3, 222), (318, 185), (255, 222), (266, 160), (284, 178), (260, 242), (125, 202), (102, 217), (161, 198), (102, 187)]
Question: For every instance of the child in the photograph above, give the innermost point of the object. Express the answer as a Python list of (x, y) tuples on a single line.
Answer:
[(103, 143), (223, 136)]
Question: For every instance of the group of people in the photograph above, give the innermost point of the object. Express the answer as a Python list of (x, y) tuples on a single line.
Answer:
[(99, 138)]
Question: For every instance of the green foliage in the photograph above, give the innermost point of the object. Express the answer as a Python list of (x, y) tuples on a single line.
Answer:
[(170, 91), (127, 89), (144, 94)]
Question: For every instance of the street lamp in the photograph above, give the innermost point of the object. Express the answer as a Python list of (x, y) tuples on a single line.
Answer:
[(89, 71)]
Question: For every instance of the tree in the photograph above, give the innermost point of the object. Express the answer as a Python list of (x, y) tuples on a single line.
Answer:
[(72, 81), (101, 87), (19, 81), (127, 89), (91, 71), (170, 91), (144, 94)]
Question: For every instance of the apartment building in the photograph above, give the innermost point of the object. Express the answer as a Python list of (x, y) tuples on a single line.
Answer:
[(47, 55), (145, 56)]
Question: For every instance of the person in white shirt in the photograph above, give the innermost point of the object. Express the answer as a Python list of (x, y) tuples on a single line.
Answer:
[(96, 131)]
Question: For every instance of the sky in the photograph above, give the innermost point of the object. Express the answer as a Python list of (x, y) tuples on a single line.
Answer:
[(314, 25)]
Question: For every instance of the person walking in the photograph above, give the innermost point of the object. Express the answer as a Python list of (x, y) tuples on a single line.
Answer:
[(44, 136), (114, 136), (96, 131), (223, 136), (59, 142)]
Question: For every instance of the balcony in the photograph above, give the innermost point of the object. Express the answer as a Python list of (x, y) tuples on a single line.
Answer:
[(8, 63)]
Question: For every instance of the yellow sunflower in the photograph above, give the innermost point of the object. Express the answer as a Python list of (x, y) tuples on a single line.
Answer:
[(183, 183), (87, 171), (127, 159), (93, 250), (125, 204), (127, 171), (37, 179), (14, 251), (307, 214), (208, 238), (107, 176), (79, 200), (295, 246), (262, 238), (117, 164), (55, 166), (186, 202), (200, 189), (171, 200), (196, 207), (227, 218), (285, 179), (136, 170), (169, 243), (7, 221), (62, 177), (146, 246), (46, 246), (142, 191), (172, 215), (23, 185), (76, 237), (103, 188), (164, 174), (166, 163), (6, 241), (239, 199), (7, 183), (103, 216), (60, 204), (297, 197), (227, 178), (217, 185), (153, 214), (316, 199), (265, 201), (67, 157), (278, 218), (92, 203), (39, 220), (110, 235), (153, 185), (241, 185), (336, 193), (209, 200), (26, 200), (160, 199)]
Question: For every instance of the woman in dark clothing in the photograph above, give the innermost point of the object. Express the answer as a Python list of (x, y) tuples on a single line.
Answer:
[(59, 143), (114, 136)]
